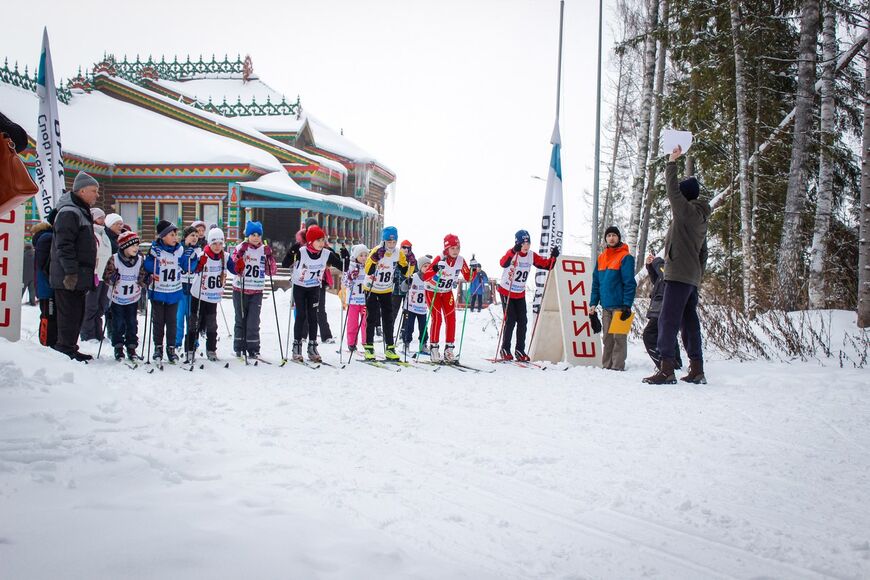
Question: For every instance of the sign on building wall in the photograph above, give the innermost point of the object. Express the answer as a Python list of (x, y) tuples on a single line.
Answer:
[(232, 232), (562, 331), (11, 272)]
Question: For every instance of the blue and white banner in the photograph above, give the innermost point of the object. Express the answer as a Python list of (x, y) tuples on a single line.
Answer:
[(49, 164), (552, 220)]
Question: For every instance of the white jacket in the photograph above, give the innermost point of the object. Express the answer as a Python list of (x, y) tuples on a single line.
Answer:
[(104, 250)]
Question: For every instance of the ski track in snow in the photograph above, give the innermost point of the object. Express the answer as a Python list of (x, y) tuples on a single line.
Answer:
[(109, 472)]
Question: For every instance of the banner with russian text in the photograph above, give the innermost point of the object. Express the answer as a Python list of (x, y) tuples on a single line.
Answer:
[(49, 163), (552, 219), (11, 272)]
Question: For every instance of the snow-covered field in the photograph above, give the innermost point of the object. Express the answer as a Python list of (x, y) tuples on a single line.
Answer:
[(268, 472)]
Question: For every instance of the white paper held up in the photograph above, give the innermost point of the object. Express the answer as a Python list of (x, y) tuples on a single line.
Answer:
[(672, 138)]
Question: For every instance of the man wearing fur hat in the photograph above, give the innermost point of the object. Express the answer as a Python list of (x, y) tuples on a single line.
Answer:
[(685, 261), (73, 261)]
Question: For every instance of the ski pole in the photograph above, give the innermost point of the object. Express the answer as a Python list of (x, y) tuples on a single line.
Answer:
[(506, 305), (106, 323), (435, 279), (244, 321), (275, 306), (148, 323), (344, 326), (193, 325), (464, 317)]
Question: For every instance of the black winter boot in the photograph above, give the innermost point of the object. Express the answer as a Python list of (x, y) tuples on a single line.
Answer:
[(664, 375), (297, 350), (132, 354), (696, 372), (119, 353), (313, 355), (170, 355), (158, 353)]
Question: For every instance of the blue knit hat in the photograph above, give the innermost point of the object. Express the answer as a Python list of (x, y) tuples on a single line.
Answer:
[(391, 234), (253, 228), (521, 237)]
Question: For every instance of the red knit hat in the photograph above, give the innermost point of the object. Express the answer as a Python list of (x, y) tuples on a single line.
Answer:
[(450, 240), (314, 233), (405, 243), (127, 239)]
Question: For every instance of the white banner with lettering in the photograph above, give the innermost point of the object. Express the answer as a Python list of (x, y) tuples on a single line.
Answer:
[(11, 272)]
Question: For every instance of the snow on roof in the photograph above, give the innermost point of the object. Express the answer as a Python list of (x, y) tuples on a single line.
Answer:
[(232, 89), (273, 123), (280, 182), (110, 130), (233, 123)]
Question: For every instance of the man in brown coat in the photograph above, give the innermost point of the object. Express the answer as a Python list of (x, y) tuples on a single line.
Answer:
[(685, 260)]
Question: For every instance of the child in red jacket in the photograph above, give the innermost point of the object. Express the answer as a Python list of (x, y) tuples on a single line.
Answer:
[(442, 277), (517, 264)]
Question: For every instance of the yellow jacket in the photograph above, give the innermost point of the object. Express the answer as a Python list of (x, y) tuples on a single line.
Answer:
[(381, 272)]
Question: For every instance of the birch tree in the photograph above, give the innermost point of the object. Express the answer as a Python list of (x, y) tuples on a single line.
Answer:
[(649, 64), (789, 262), (825, 196), (743, 160), (864, 213)]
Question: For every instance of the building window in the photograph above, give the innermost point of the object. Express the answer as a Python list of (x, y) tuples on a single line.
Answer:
[(210, 213), (129, 211), (169, 212)]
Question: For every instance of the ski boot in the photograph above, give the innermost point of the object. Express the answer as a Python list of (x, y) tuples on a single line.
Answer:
[(170, 355), (505, 353), (521, 355), (390, 353), (132, 355), (449, 356), (369, 351), (158, 353), (434, 353), (119, 353), (313, 355), (696, 372), (297, 351), (211, 355), (664, 375), (329, 341)]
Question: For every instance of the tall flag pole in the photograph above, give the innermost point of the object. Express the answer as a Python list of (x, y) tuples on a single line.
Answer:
[(596, 186), (49, 164), (552, 218)]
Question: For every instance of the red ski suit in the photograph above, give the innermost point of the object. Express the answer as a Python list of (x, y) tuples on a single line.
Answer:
[(444, 303)]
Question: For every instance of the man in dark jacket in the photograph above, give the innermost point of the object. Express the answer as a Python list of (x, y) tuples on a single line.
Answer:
[(73, 261), (655, 267), (685, 261)]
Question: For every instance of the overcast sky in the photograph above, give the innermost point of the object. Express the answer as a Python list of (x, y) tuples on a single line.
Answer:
[(456, 96)]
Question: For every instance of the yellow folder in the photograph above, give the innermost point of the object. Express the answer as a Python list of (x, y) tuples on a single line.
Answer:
[(619, 326)]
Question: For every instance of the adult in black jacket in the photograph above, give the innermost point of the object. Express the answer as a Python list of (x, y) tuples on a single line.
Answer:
[(655, 267), (73, 261)]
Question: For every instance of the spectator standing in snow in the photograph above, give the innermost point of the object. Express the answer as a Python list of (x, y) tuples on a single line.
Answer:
[(613, 287), (41, 236), (655, 267), (73, 261), (479, 282), (685, 261), (97, 300)]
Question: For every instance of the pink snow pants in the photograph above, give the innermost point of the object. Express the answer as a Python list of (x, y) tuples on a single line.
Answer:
[(356, 323)]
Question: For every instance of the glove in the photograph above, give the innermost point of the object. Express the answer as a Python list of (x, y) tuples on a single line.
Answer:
[(626, 313), (70, 281), (517, 248), (376, 257), (554, 252), (440, 266), (155, 278), (116, 277), (412, 259), (596, 323)]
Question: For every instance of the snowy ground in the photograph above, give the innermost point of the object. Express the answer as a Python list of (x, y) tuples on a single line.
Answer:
[(267, 472)]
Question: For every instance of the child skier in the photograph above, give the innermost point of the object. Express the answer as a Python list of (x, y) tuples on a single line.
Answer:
[(443, 276), (354, 280), (125, 276), (164, 263), (190, 239), (309, 266), (380, 267), (416, 305), (210, 272), (253, 262), (517, 263)]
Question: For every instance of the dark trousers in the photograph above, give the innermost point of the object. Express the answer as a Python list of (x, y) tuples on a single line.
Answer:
[(679, 314), (202, 315), (408, 327), (96, 304), (379, 309), (70, 314), (515, 315), (322, 320), (163, 322), (47, 322), (246, 331), (397, 306), (306, 302), (30, 287), (125, 325), (476, 299), (650, 341)]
